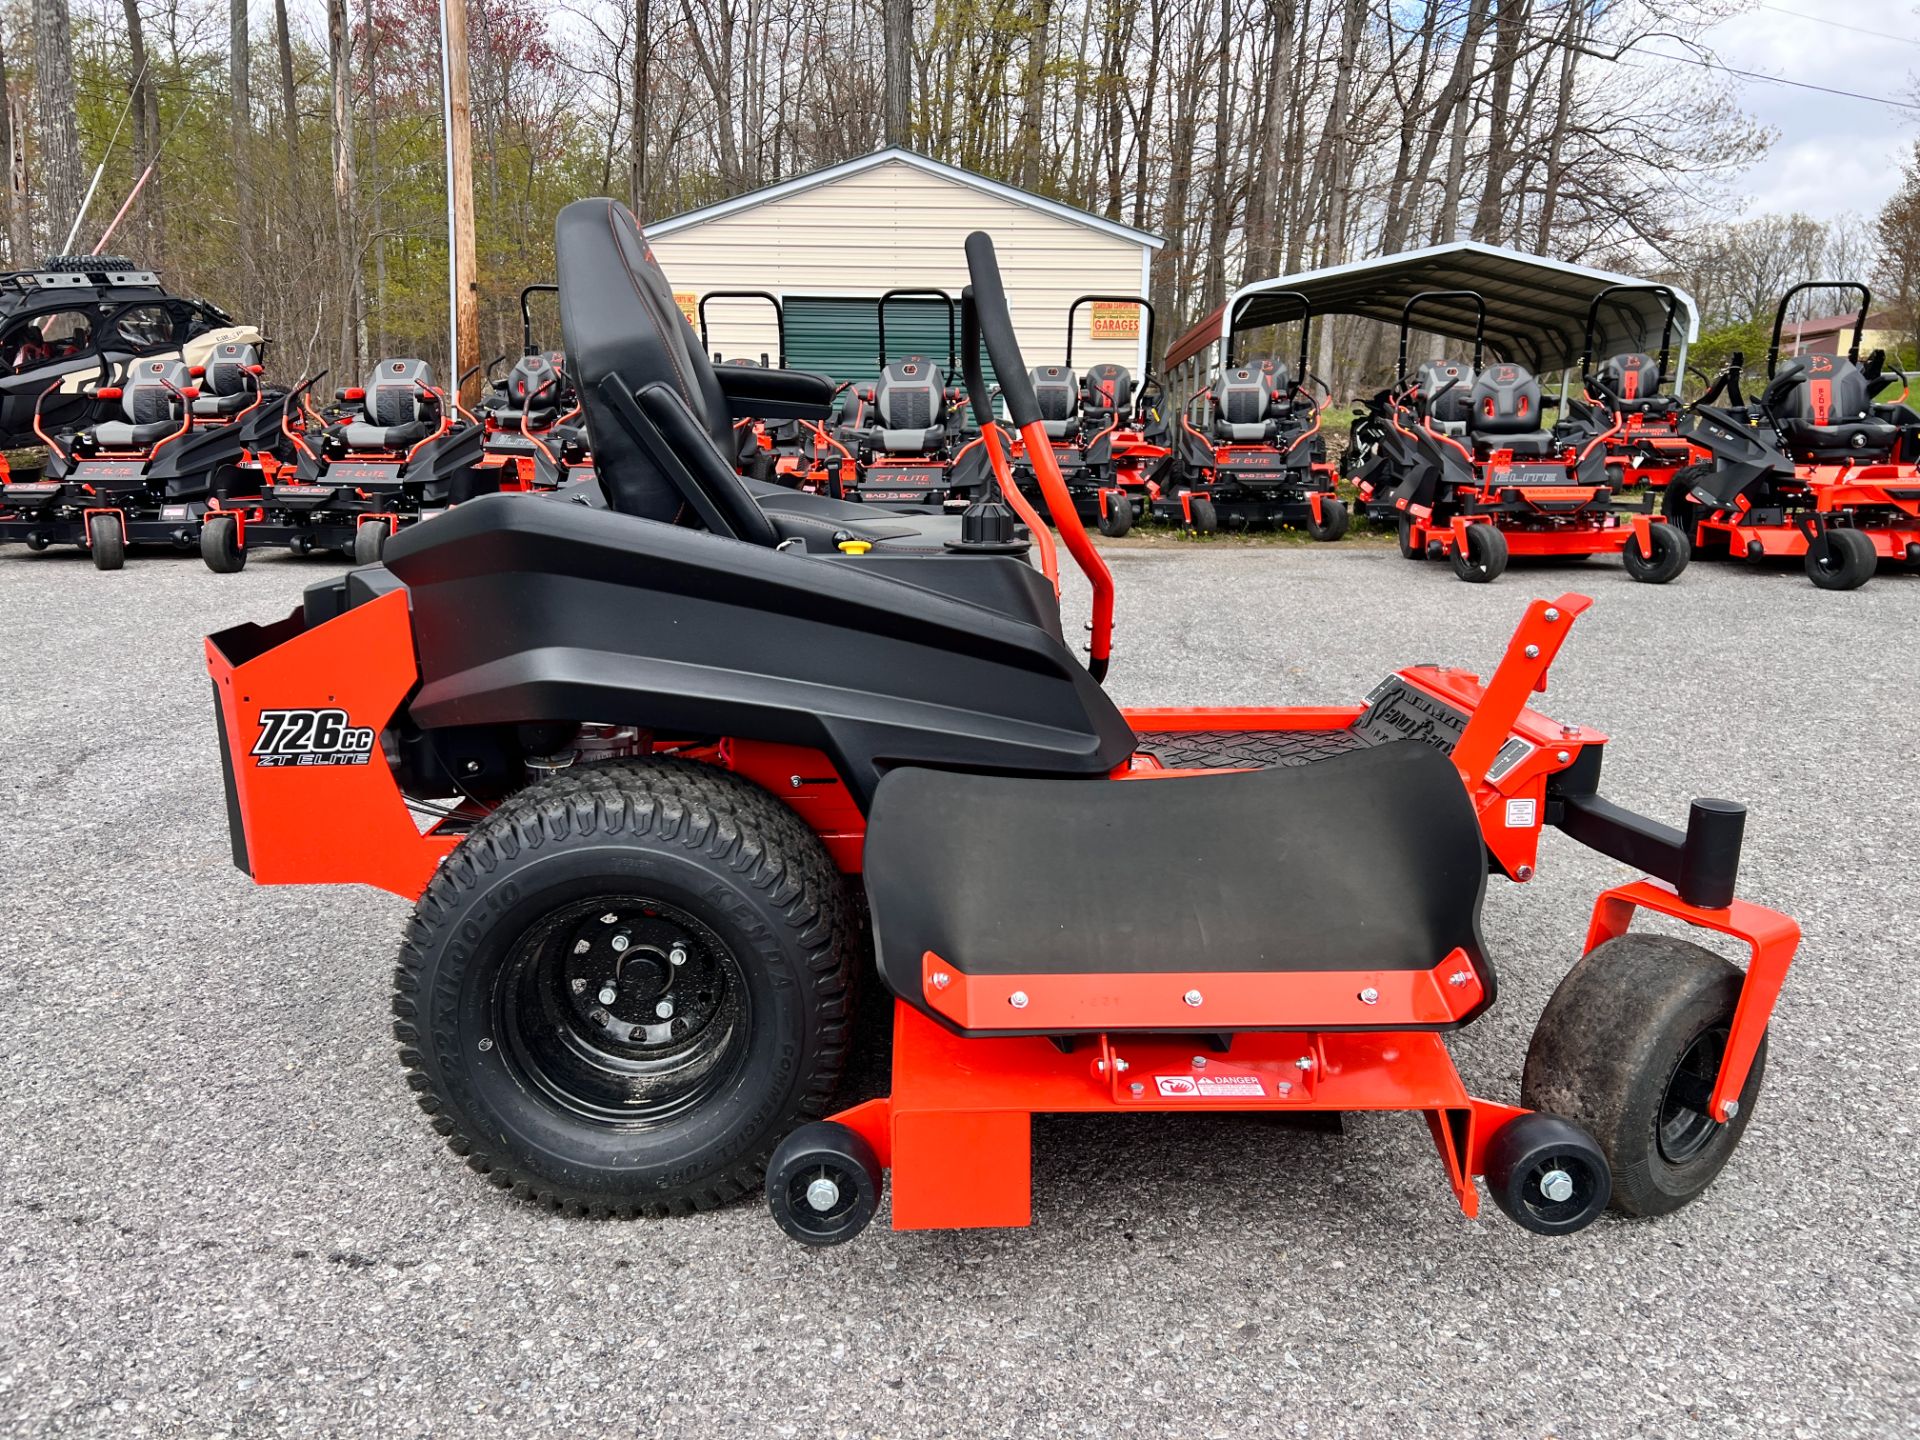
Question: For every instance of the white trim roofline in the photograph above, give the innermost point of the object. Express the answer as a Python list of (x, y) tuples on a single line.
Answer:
[(897, 154)]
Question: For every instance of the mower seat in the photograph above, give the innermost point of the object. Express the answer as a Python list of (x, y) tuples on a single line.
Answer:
[(399, 406), (1058, 391), (1828, 415), (532, 391), (1452, 382), (909, 408), (230, 383), (1106, 395), (1269, 871), (1243, 401), (151, 400), (1633, 385), (1504, 411)]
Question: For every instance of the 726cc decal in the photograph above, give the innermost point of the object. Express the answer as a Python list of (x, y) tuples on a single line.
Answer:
[(310, 737)]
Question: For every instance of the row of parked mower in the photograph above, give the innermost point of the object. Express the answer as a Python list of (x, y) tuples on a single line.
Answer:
[(1457, 455)]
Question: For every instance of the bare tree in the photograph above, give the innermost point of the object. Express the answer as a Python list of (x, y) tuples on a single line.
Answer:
[(61, 175)]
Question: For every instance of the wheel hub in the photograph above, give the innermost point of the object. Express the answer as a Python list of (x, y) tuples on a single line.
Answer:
[(638, 978)]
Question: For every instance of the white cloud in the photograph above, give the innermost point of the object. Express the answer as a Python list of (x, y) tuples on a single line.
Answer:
[(1833, 154)]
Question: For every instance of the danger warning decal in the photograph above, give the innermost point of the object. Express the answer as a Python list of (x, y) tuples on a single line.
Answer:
[(310, 737), (1210, 1087)]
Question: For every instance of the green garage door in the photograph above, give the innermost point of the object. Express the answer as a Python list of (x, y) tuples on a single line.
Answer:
[(840, 336)]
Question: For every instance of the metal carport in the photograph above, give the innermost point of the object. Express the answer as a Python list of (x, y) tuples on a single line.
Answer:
[(1536, 307)]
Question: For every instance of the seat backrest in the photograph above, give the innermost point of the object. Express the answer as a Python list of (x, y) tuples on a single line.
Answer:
[(1433, 378), (396, 392), (1058, 391), (1244, 394), (1506, 401), (1832, 391), (230, 368), (152, 390), (911, 394), (1106, 391), (1632, 376), (534, 383), (618, 314)]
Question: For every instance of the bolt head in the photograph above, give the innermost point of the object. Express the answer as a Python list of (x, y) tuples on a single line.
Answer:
[(1523, 873), (1018, 1000), (1304, 1063), (1563, 756), (1120, 1065), (1137, 1088), (677, 955), (1285, 1087), (1729, 1111), (1557, 1186), (664, 1009), (620, 943), (822, 1194), (1199, 1062), (608, 995), (1552, 614), (1369, 996), (941, 979), (1193, 998), (1532, 652), (1459, 977)]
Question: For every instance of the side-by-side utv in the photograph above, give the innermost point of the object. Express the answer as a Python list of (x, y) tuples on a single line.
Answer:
[(648, 771), (1817, 467), (162, 449)]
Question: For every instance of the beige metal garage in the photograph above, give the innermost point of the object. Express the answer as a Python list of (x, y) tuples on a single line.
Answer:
[(830, 243)]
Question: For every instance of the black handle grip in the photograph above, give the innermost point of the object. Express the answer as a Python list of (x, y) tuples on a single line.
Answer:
[(996, 328)]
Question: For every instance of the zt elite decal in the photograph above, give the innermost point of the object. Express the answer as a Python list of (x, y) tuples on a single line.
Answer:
[(310, 737)]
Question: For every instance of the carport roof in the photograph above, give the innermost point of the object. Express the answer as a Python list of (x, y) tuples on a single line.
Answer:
[(1536, 307)]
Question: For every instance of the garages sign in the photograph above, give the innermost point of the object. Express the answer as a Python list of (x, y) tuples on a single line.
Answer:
[(689, 303), (1113, 320)]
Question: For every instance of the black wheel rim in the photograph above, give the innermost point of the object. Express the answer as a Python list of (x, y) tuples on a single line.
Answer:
[(1559, 1188), (1685, 1126), (801, 1194), (622, 1010)]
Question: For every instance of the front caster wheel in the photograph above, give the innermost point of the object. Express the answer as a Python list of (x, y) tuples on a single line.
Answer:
[(1411, 547), (1206, 519), (370, 542), (220, 545), (107, 541), (1482, 556), (1671, 551), (1630, 1046), (625, 985), (823, 1184), (1547, 1175), (1117, 519), (1845, 562), (1333, 520)]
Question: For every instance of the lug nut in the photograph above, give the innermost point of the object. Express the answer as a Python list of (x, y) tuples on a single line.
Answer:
[(677, 955), (608, 995), (664, 1009), (620, 942)]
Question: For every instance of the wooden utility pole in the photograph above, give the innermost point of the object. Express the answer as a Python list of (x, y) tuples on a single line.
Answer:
[(464, 281)]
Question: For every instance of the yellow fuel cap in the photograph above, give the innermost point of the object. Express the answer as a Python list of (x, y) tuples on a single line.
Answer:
[(855, 547)]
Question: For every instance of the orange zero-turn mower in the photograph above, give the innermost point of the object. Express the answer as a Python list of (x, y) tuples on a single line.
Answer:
[(1646, 447), (162, 450), (1507, 485), (1816, 468), (1108, 438), (399, 449), (532, 434), (638, 778), (1262, 459)]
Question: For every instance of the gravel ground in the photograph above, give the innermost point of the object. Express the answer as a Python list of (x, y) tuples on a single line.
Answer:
[(221, 1213)]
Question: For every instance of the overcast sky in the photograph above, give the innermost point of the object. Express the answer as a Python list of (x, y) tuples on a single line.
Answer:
[(1833, 154)]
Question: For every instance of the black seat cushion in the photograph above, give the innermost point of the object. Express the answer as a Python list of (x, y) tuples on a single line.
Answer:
[(1445, 390), (1532, 445), (1828, 414), (1369, 860), (1506, 401)]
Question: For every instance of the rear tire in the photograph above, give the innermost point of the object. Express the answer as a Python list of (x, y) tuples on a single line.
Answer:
[(370, 542), (1628, 1047), (1482, 556), (1670, 554), (1333, 520), (220, 545), (107, 542), (1118, 517), (1206, 519), (537, 1042), (1848, 564)]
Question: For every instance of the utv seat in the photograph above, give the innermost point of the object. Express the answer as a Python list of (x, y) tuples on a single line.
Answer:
[(231, 382), (399, 407), (1632, 381), (1504, 411), (1828, 415), (1407, 855), (151, 400), (1058, 391)]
